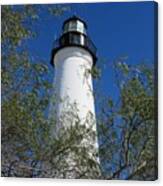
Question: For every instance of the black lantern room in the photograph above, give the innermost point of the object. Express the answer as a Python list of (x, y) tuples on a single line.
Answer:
[(74, 33)]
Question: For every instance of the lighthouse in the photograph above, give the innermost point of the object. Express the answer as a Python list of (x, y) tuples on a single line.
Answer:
[(73, 57)]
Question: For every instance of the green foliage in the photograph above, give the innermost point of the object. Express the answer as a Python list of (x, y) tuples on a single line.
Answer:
[(129, 140), (13, 29), (95, 72)]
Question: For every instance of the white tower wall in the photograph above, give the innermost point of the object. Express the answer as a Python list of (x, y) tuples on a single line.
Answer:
[(73, 81), (73, 89)]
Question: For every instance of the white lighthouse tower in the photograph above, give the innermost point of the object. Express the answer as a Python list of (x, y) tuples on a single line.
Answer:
[(73, 57)]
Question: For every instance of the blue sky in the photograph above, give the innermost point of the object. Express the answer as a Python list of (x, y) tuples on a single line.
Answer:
[(117, 29)]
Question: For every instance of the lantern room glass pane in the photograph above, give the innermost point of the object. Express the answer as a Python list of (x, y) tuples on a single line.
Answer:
[(81, 27), (76, 26)]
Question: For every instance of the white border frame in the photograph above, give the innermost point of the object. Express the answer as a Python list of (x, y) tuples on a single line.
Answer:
[(64, 182)]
